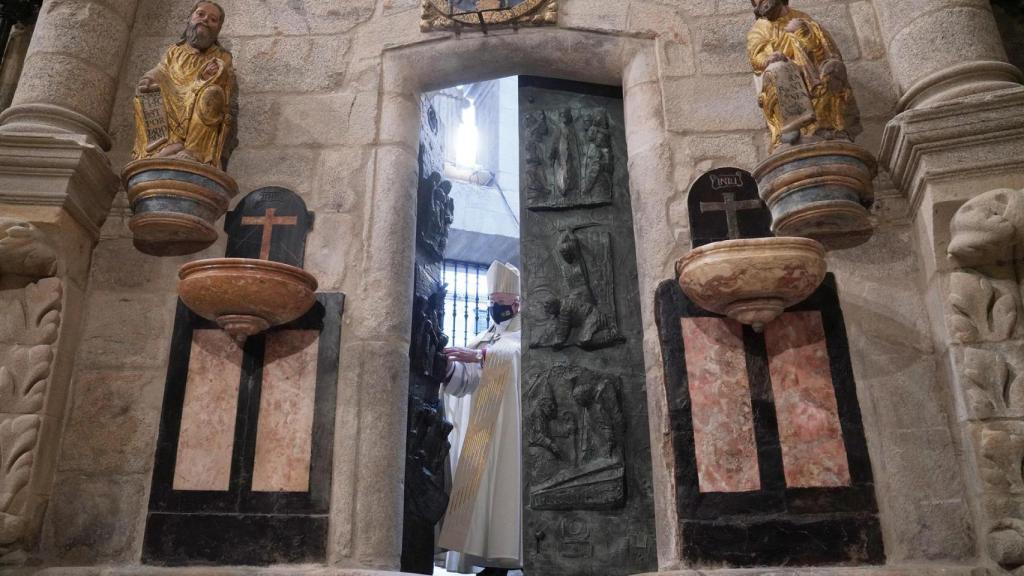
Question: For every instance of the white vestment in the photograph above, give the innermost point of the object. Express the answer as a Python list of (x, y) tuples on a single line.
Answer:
[(483, 523)]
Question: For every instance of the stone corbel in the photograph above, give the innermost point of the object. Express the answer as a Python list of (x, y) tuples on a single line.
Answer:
[(31, 303)]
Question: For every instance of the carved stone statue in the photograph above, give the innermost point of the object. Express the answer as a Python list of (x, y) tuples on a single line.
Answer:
[(988, 228), (185, 119), (186, 106), (798, 63)]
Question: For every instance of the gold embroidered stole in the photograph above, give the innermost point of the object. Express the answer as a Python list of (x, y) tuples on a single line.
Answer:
[(483, 418)]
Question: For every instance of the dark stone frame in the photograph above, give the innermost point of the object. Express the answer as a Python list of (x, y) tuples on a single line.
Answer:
[(776, 525), (240, 526)]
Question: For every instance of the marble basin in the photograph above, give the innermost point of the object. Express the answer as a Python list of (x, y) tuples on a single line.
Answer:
[(752, 280), (245, 296)]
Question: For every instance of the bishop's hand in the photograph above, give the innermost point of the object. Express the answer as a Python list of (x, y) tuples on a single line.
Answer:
[(464, 355)]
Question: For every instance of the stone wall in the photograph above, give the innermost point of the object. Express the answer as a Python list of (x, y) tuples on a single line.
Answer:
[(329, 108)]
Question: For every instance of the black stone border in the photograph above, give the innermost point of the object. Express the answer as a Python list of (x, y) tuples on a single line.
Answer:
[(240, 526), (776, 525)]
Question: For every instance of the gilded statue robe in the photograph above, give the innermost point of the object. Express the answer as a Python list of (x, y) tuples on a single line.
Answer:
[(197, 89), (483, 524), (816, 54)]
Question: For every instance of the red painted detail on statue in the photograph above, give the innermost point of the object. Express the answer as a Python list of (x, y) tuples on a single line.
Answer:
[(813, 451), (723, 421)]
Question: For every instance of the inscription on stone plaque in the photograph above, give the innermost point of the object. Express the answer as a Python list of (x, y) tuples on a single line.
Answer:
[(586, 446), (724, 205), (269, 224)]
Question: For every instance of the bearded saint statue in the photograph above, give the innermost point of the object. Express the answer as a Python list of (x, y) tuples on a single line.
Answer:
[(804, 90), (197, 86)]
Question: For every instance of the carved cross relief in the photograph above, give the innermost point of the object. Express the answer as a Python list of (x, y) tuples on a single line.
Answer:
[(268, 221), (731, 207)]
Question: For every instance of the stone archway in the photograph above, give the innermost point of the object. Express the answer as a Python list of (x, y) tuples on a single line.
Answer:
[(407, 73)]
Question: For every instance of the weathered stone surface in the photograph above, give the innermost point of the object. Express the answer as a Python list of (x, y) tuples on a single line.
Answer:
[(112, 419), (291, 63), (96, 520), (124, 339), (717, 103), (722, 44)]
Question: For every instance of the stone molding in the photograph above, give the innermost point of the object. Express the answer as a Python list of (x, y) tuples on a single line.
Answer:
[(961, 80), (943, 142), (28, 345), (42, 170), (51, 119)]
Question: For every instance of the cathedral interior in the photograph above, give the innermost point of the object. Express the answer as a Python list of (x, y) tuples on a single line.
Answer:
[(512, 287)]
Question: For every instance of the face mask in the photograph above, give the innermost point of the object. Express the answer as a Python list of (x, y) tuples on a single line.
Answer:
[(501, 312)]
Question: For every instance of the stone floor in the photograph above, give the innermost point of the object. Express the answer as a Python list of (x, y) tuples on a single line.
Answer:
[(920, 570), (443, 572)]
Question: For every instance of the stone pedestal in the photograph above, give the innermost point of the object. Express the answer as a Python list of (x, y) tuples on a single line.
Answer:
[(942, 156), (54, 197)]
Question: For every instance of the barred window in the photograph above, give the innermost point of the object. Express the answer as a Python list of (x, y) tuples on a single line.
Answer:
[(465, 305)]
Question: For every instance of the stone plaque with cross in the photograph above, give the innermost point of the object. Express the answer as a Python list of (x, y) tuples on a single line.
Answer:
[(269, 224), (724, 205)]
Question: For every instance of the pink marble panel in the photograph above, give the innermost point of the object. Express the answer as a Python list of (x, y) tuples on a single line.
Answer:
[(813, 452), (284, 437), (723, 420), (208, 416)]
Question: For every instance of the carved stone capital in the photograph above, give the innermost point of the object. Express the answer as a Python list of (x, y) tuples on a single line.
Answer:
[(47, 171), (956, 142)]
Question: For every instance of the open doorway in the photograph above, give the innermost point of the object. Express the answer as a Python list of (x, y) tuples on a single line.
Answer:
[(481, 161), (530, 172)]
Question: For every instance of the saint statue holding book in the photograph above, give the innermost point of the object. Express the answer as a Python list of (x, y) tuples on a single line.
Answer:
[(185, 108)]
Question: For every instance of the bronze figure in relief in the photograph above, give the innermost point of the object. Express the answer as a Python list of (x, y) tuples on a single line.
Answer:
[(804, 90)]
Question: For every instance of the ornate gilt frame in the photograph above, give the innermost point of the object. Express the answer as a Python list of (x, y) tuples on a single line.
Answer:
[(437, 15)]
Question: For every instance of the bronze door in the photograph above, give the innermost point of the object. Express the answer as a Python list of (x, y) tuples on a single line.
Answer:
[(587, 495)]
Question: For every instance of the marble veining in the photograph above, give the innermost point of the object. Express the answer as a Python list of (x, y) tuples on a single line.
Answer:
[(813, 451), (284, 437), (723, 423), (207, 436)]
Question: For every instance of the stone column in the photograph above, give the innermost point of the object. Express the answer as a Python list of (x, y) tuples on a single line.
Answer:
[(943, 49), (56, 188), (970, 149), (69, 80)]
